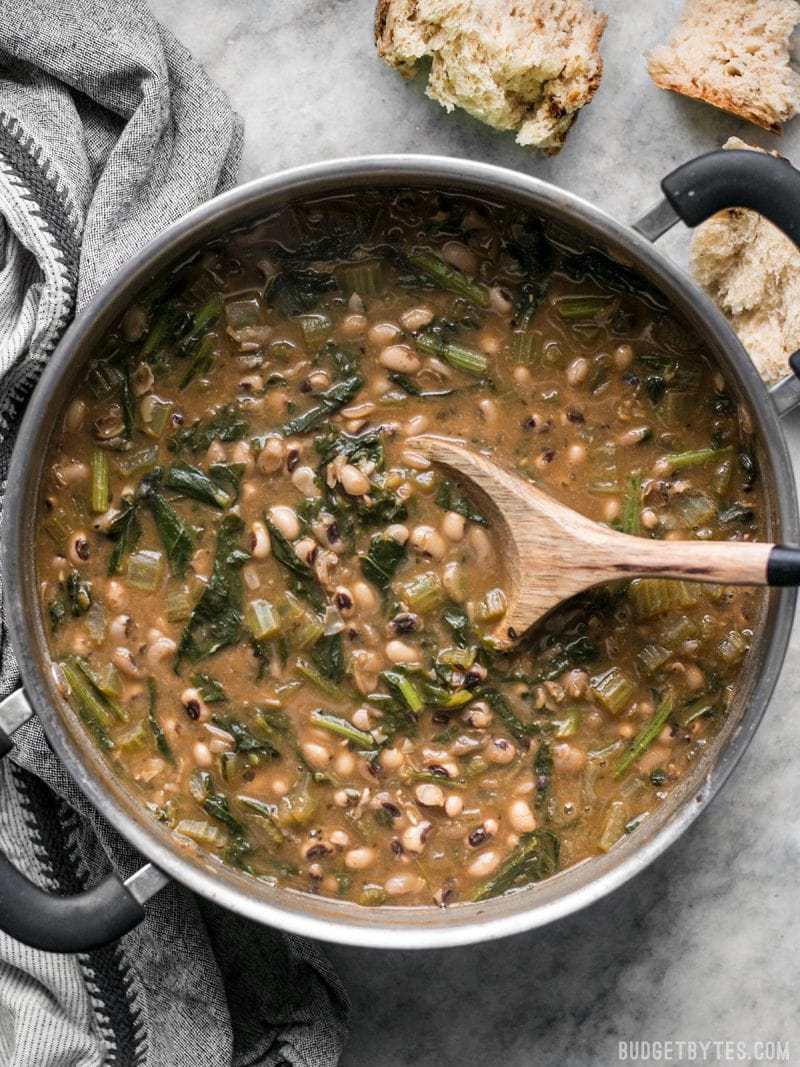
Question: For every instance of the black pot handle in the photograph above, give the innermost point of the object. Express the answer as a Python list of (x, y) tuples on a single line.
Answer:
[(66, 923), (737, 178)]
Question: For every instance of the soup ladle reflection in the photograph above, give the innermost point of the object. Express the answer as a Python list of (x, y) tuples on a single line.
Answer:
[(550, 552)]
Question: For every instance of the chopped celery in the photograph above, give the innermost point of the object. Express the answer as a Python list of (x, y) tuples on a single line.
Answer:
[(262, 620), (614, 826), (155, 415), (645, 737), (162, 744), (145, 568), (614, 690), (678, 461), (100, 497), (576, 308), (697, 709), (629, 523), (268, 813), (179, 605), (128, 463), (526, 346), (460, 658), (693, 509), (424, 593), (674, 632), (403, 687), (103, 379), (134, 739), (316, 329), (455, 281), (652, 658), (492, 607), (364, 277), (88, 702), (567, 726), (204, 833), (464, 359), (656, 596), (312, 675), (58, 528), (732, 647), (242, 313), (297, 808), (336, 725)]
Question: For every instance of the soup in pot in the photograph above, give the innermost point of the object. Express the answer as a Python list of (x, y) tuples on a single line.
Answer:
[(274, 615)]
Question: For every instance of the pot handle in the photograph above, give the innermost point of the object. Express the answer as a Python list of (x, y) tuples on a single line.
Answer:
[(736, 178), (74, 923), (723, 179)]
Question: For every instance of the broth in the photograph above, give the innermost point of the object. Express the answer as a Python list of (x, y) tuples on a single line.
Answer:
[(272, 613)]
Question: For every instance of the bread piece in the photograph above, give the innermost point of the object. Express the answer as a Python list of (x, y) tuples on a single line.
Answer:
[(753, 273), (734, 54), (525, 65)]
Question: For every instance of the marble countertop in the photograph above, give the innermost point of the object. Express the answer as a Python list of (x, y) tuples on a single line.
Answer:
[(702, 945)]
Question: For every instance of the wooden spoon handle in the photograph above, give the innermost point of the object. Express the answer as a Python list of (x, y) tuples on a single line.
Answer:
[(726, 562)]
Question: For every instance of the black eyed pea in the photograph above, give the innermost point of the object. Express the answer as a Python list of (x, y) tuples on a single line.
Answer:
[(123, 660), (520, 817), (416, 318), (319, 756), (398, 651), (400, 358), (414, 837), (78, 549), (76, 413), (500, 751), (398, 532), (484, 864), (453, 526), (428, 541), (461, 257), (500, 300), (270, 458), (429, 795), (260, 545), (382, 334), (353, 325), (358, 859), (201, 754), (285, 520), (158, 650), (398, 885), (72, 473), (194, 705), (353, 481)]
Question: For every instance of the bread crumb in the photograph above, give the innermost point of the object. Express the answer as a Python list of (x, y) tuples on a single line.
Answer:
[(524, 65), (735, 55), (752, 271)]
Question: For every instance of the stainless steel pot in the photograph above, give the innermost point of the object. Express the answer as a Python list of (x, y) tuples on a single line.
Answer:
[(694, 192)]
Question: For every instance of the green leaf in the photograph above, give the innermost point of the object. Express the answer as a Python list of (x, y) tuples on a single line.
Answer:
[(209, 688), (382, 560), (125, 530), (216, 621), (534, 858), (327, 655), (175, 534), (306, 583), (162, 744), (331, 400), (228, 424), (450, 499)]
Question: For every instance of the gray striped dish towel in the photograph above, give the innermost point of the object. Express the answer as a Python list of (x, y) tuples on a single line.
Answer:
[(109, 130)]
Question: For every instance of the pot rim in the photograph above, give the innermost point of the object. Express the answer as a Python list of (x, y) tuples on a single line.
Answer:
[(521, 911)]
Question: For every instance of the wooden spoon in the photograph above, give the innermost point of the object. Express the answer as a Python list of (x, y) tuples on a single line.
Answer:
[(550, 552)]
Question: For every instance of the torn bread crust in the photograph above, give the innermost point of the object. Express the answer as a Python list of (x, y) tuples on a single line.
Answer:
[(488, 58), (734, 55), (752, 272)]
